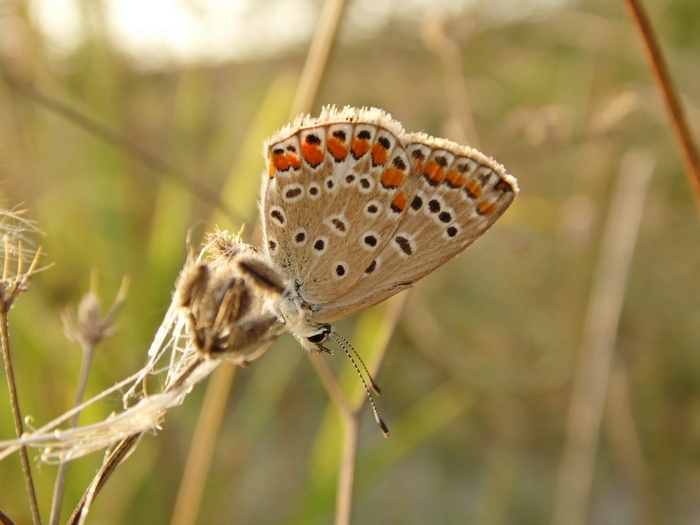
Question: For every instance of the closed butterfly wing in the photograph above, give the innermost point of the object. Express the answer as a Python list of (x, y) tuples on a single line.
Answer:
[(456, 194)]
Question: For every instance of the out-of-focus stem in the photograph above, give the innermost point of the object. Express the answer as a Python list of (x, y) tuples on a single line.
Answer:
[(673, 105), (590, 383)]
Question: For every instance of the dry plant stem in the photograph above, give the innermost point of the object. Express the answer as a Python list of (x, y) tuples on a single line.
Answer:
[(626, 446), (350, 411), (590, 381), (59, 485), (673, 106), (9, 292), (88, 353), (5, 520), (189, 496), (16, 414), (115, 458), (317, 59), (346, 476), (120, 142), (118, 455), (448, 51)]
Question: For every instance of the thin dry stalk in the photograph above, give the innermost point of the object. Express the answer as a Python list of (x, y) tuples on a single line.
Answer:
[(88, 330), (5, 520), (346, 475), (590, 382), (624, 439), (348, 457), (317, 59), (350, 411), (119, 142), (9, 291), (673, 105), (189, 497), (119, 454), (461, 122)]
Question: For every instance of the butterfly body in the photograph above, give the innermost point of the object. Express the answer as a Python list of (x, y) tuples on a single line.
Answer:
[(354, 210)]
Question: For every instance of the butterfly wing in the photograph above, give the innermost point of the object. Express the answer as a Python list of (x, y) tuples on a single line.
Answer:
[(455, 195), (333, 195)]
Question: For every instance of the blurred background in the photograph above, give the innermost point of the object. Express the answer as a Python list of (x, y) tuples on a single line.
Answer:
[(477, 383)]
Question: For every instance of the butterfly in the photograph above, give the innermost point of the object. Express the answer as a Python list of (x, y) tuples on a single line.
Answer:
[(355, 210)]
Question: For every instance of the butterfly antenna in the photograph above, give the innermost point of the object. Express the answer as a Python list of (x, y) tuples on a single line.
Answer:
[(340, 340), (376, 389)]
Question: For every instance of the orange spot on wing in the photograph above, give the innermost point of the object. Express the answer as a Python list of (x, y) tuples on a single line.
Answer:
[(294, 161), (379, 154), (392, 177), (282, 162), (312, 153), (359, 147), (455, 179), (486, 208), (434, 172), (474, 188), (337, 148), (400, 201)]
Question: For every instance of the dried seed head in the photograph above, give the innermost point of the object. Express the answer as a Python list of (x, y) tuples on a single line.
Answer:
[(87, 327), (225, 300)]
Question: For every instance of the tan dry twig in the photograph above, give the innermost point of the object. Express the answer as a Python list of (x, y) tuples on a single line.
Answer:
[(590, 382), (317, 59), (623, 438), (10, 288), (350, 410), (460, 119), (189, 496), (671, 99)]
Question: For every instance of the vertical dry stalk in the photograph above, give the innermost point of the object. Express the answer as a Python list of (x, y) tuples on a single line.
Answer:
[(189, 496), (461, 122), (317, 59), (88, 329), (624, 440), (349, 417), (9, 291), (350, 410), (673, 106), (590, 382)]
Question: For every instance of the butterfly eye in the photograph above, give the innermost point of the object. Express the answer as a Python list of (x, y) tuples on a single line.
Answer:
[(320, 336)]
